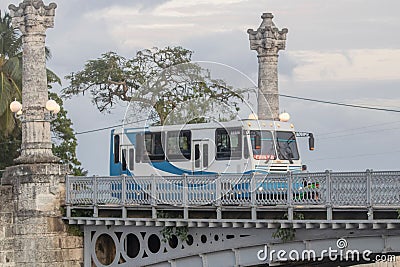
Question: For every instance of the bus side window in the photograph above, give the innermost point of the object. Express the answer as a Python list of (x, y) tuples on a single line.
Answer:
[(154, 146), (139, 147), (124, 159), (178, 145), (131, 159), (197, 156), (246, 152), (229, 143), (223, 144), (205, 155), (116, 148)]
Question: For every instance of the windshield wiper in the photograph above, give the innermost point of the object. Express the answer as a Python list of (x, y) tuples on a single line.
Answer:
[(284, 155)]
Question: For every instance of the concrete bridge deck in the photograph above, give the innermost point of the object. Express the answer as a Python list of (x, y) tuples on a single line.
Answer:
[(229, 219)]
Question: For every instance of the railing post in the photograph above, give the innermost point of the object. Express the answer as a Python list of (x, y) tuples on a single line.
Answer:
[(290, 196), (68, 196), (185, 196), (328, 195), (95, 192), (369, 194), (68, 213), (218, 196), (153, 197), (368, 179), (68, 189), (253, 196), (123, 188)]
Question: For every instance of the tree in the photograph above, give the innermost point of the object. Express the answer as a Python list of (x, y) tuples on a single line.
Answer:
[(10, 72), (163, 79), (65, 142), (10, 87)]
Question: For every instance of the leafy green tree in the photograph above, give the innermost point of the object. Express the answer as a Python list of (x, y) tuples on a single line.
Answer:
[(9, 147), (10, 72), (10, 88), (64, 140), (162, 79)]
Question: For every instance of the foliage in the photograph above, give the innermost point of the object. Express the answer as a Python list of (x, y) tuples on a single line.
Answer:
[(160, 79), (81, 213), (10, 72), (168, 231), (9, 147), (287, 234), (65, 143), (74, 230)]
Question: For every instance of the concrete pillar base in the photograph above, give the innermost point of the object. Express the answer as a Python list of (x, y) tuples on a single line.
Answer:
[(32, 197)]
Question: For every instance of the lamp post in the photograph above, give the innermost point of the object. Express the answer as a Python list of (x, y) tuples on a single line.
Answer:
[(33, 18)]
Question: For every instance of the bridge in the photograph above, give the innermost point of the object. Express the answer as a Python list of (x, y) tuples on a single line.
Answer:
[(229, 220)]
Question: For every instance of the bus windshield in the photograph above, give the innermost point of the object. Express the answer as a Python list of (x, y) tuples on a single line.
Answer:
[(262, 144), (286, 146)]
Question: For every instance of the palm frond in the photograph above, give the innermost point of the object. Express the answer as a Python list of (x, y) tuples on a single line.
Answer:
[(52, 77)]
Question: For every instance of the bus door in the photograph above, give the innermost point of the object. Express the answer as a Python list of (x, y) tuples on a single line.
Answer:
[(200, 156), (127, 158)]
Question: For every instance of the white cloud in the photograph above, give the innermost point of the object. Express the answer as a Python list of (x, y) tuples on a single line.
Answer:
[(172, 22), (348, 65)]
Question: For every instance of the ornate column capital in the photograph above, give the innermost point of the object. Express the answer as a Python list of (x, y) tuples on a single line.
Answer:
[(32, 16), (267, 39)]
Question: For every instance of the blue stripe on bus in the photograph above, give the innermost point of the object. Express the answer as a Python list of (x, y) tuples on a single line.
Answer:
[(168, 167)]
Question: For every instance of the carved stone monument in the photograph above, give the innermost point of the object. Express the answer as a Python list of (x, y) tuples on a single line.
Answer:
[(267, 40), (32, 193), (33, 18)]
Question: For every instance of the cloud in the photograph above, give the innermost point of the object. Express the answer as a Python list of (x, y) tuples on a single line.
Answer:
[(287, 65), (357, 64)]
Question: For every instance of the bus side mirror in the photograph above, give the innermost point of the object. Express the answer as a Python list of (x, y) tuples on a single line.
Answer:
[(311, 141)]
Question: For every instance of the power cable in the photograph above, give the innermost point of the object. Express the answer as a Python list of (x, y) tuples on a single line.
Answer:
[(282, 95), (366, 132), (358, 128), (110, 127), (340, 104), (358, 155)]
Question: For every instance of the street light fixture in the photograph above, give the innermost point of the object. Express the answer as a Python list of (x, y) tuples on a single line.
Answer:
[(15, 106), (51, 106)]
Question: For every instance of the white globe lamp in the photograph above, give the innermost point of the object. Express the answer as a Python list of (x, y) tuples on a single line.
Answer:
[(57, 109), (284, 117), (51, 105), (15, 106)]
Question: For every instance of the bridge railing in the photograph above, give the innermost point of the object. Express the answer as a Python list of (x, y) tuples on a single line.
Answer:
[(341, 189)]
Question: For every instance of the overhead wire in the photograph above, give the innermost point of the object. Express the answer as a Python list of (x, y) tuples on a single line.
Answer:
[(358, 155), (366, 132), (340, 104), (282, 95), (111, 127), (358, 128)]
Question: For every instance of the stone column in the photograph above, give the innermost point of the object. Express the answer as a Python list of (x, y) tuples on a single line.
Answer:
[(32, 193), (267, 40), (32, 18)]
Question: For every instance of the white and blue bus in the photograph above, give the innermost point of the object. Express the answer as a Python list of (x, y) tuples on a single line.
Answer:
[(244, 146)]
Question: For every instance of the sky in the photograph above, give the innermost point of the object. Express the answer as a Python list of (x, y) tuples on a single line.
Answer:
[(344, 51)]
